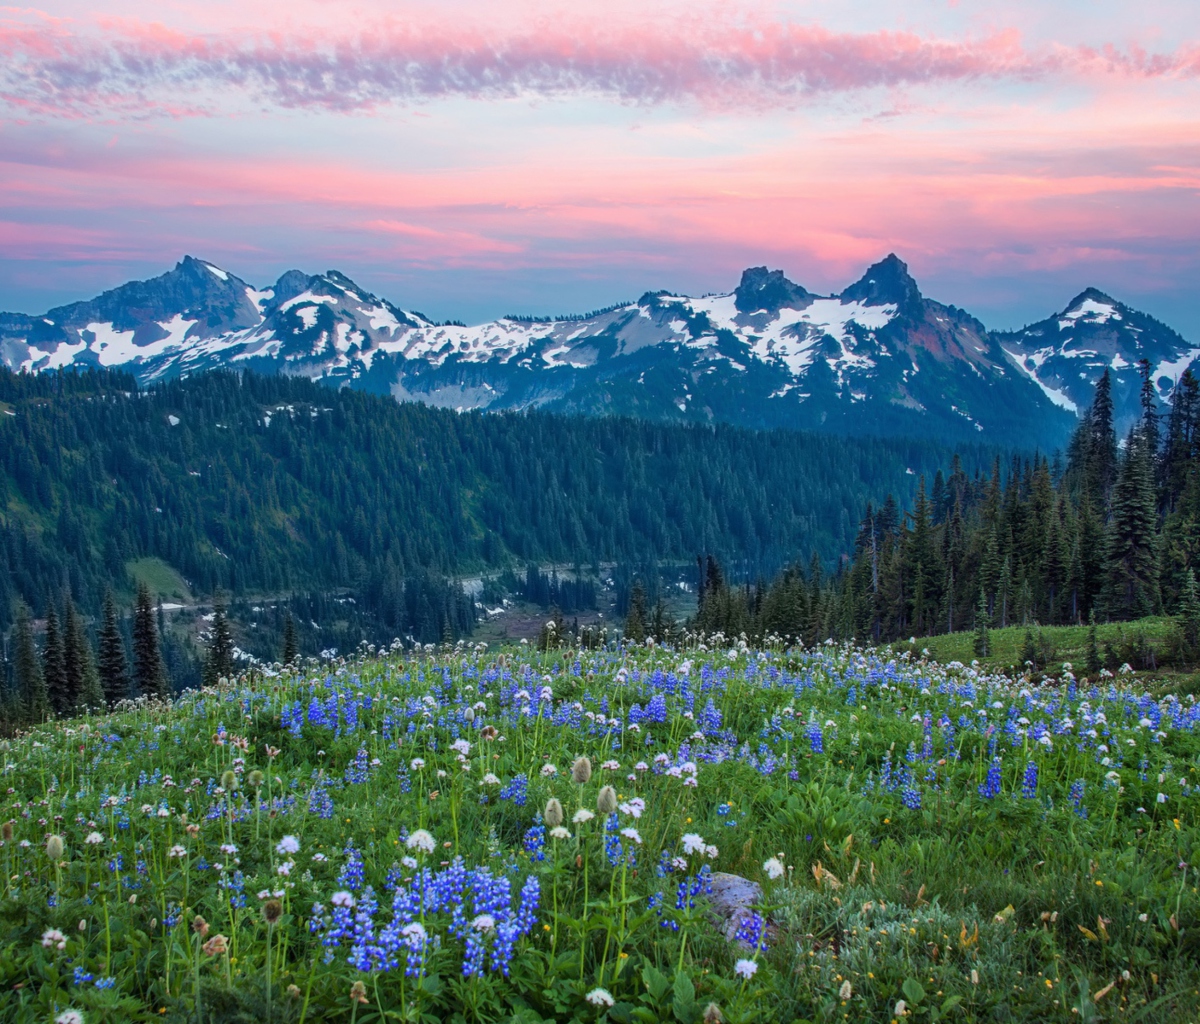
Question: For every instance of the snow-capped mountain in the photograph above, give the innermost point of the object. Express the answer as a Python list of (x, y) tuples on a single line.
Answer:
[(1065, 354), (877, 358)]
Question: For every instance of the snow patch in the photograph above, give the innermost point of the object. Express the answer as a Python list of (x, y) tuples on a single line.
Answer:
[(1057, 396), (217, 272)]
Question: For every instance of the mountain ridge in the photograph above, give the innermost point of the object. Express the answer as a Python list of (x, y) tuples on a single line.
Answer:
[(878, 357)]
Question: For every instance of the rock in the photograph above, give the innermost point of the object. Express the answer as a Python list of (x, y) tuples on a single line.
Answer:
[(733, 899)]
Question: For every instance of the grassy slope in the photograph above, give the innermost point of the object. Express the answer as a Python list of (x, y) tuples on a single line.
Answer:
[(160, 577), (1069, 643)]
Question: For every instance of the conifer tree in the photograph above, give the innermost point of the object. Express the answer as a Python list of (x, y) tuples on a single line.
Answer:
[(149, 673), (73, 653), (1100, 455), (31, 684), (219, 662), (983, 642), (1094, 662), (81, 666), (1189, 616), (113, 665), (54, 667), (635, 620), (291, 649), (1132, 585)]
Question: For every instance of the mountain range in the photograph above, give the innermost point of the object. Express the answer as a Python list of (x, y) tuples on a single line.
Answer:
[(877, 358)]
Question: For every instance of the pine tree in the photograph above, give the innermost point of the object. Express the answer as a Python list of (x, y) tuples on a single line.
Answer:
[(1029, 651), (983, 642), (149, 674), (1189, 616), (74, 653), (291, 649), (54, 667), (635, 620), (35, 701), (1132, 585), (88, 693), (113, 665), (219, 663), (1101, 447), (1094, 661)]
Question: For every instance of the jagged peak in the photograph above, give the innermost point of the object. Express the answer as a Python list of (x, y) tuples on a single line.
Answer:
[(770, 290), (887, 282)]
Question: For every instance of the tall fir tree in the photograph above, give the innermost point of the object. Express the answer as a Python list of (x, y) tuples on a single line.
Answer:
[(983, 640), (219, 661), (291, 648), (113, 664), (1100, 459), (54, 667), (35, 701), (635, 620), (1131, 589), (149, 673), (81, 665), (73, 652)]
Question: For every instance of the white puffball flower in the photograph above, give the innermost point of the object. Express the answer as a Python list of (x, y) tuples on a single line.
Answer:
[(93, 838), (484, 923), (745, 969), (692, 843), (600, 997), (288, 844), (633, 835), (773, 868), (341, 898), (558, 832), (421, 841), (582, 815)]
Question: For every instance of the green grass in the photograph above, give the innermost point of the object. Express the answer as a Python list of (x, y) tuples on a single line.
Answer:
[(978, 848), (160, 577), (1069, 643)]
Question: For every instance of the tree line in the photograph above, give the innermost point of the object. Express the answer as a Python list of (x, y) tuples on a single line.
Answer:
[(1111, 532)]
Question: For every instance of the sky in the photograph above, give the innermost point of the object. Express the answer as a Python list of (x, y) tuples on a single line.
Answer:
[(470, 159)]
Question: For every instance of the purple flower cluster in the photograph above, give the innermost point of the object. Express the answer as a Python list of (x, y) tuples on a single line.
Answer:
[(474, 907)]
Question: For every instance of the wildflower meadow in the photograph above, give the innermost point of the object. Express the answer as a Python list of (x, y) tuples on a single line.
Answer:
[(469, 834)]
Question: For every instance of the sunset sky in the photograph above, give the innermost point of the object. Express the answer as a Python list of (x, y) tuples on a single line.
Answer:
[(470, 159)]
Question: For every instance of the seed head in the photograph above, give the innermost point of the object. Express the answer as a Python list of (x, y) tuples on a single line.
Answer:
[(581, 770), (358, 992), (293, 991), (488, 732), (216, 945), (200, 926), (469, 715), (712, 1014), (256, 779), (606, 801), (272, 911), (54, 847), (553, 814), (228, 781), (6, 831)]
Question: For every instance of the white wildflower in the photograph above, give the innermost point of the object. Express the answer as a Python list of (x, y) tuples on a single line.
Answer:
[(421, 841), (600, 997), (745, 969)]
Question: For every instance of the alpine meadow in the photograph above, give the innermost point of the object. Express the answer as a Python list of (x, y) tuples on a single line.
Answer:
[(534, 512)]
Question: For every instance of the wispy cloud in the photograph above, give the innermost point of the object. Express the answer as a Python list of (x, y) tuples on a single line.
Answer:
[(51, 67)]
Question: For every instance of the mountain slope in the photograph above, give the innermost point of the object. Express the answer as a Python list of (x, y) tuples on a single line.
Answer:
[(878, 358), (1065, 354)]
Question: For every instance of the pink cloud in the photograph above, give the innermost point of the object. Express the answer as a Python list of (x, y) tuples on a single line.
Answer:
[(136, 69)]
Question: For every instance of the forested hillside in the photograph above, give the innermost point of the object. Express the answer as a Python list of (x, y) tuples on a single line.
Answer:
[(1112, 532), (270, 485)]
